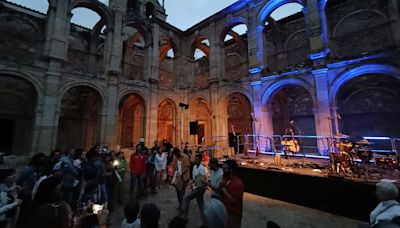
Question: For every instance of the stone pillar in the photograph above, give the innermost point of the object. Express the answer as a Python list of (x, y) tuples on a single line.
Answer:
[(262, 120), (114, 41), (154, 58), (316, 26), (394, 16), (255, 34), (151, 133), (322, 113), (109, 121), (215, 125), (215, 53), (57, 30), (47, 126)]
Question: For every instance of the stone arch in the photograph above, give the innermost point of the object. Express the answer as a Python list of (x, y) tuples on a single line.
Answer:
[(275, 87), (369, 105), (232, 22), (15, 29), (167, 65), (37, 84), (79, 117), (382, 15), (360, 70), (131, 125), (19, 99), (64, 89), (97, 7), (293, 102), (270, 6), (201, 68), (238, 109), (297, 47), (143, 29), (350, 40), (199, 110), (167, 121)]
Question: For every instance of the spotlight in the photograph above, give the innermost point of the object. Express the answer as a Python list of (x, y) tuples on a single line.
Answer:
[(185, 106)]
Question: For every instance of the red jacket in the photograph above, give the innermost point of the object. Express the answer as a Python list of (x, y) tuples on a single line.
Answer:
[(138, 163), (235, 188)]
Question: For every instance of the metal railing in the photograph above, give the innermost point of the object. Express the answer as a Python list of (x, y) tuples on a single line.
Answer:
[(310, 145)]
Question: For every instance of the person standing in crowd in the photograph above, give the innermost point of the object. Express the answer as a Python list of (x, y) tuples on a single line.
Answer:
[(215, 177), (215, 215), (231, 191), (199, 187), (388, 208), (167, 146), (181, 165), (149, 216), (131, 212), (188, 152), (160, 165), (150, 167), (8, 197), (138, 169), (95, 171), (120, 166)]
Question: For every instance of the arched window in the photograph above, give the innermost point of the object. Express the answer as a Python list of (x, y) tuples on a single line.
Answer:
[(85, 17)]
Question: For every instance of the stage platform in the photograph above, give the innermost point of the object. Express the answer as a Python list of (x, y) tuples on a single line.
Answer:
[(310, 182)]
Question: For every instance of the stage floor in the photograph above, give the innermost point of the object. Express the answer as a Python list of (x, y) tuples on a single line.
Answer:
[(310, 182), (320, 167)]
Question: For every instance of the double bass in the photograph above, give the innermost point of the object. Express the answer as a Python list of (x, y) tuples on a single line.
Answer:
[(290, 144)]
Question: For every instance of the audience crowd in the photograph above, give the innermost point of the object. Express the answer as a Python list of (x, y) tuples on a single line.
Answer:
[(77, 188)]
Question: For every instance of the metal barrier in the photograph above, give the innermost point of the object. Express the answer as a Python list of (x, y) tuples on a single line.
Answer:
[(384, 145), (310, 145)]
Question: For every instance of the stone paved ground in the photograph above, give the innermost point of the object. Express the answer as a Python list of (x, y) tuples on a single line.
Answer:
[(257, 210)]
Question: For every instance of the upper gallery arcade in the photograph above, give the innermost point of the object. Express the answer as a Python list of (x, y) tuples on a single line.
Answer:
[(66, 86)]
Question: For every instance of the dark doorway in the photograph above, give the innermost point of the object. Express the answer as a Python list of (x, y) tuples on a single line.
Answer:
[(6, 135)]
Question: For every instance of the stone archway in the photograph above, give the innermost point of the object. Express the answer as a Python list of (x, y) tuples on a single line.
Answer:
[(18, 100), (79, 120), (294, 103), (131, 121), (369, 105), (166, 123), (240, 121), (199, 110)]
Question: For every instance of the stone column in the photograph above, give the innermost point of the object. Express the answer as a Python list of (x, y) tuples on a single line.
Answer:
[(108, 124), (216, 129), (255, 34), (322, 113), (151, 133), (394, 16), (57, 30), (316, 26), (262, 119), (48, 125), (215, 53), (154, 58), (114, 42)]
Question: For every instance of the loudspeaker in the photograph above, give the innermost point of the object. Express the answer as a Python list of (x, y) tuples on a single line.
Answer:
[(193, 127)]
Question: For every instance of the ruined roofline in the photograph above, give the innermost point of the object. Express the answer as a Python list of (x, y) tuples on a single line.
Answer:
[(22, 9)]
